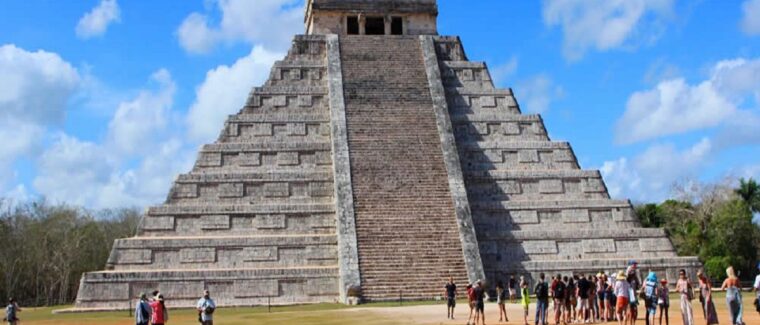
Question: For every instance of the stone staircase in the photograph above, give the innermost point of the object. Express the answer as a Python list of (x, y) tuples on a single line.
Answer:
[(408, 239), (533, 208)]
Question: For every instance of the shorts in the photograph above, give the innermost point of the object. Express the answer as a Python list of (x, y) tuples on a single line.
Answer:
[(558, 304), (601, 296), (512, 292), (451, 302), (622, 302), (583, 303), (479, 306), (651, 305)]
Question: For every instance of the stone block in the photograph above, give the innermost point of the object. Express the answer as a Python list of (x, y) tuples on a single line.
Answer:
[(550, 186), (185, 190), (621, 215), (270, 221), (527, 156), (257, 288), (563, 155), (540, 247), (305, 101), (598, 245), (627, 246), (323, 158), (260, 254), (320, 189), (315, 74), (250, 159), (510, 128), (549, 217), (575, 216), (494, 156), (232, 129), (276, 190), (231, 190), (210, 159), (197, 255), (288, 158), (215, 222), (135, 256), (321, 286), (524, 216), (655, 245), (158, 223), (321, 253), (295, 74), (487, 101), (322, 221), (181, 289), (279, 101), (297, 129), (593, 185), (261, 129), (479, 128), (466, 75), (509, 187), (104, 291)]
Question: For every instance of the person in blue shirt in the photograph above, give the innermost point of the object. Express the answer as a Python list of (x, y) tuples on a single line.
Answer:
[(143, 312), (11, 312), (206, 307)]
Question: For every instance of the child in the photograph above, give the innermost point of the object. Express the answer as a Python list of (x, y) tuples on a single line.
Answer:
[(663, 300), (525, 297), (633, 306)]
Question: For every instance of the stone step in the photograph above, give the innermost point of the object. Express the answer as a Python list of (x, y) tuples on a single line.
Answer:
[(213, 177), (176, 210)]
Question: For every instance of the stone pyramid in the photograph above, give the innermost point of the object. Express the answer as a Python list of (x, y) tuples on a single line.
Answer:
[(376, 159)]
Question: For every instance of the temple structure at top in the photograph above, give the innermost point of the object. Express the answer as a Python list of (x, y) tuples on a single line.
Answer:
[(376, 159)]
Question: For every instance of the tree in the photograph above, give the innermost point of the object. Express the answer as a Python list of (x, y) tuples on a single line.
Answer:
[(749, 191)]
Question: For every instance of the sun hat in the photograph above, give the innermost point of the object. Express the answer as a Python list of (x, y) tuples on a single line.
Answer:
[(652, 277), (664, 281), (621, 275)]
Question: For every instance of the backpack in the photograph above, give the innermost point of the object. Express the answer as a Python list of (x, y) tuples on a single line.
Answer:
[(559, 291), (10, 313), (542, 291)]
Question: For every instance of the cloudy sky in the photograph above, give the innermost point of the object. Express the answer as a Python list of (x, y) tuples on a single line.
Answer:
[(103, 102)]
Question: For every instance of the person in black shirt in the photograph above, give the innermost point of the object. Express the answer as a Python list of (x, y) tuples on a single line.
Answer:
[(582, 292), (512, 289), (480, 295), (451, 297)]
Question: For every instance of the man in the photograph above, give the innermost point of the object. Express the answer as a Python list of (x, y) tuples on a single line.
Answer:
[(542, 299), (558, 292), (756, 286), (632, 275), (512, 289), (143, 312), (451, 297), (582, 291), (480, 295), (11, 312), (206, 308)]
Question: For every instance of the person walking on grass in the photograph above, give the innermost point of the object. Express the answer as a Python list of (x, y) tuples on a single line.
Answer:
[(685, 290), (733, 296), (705, 290), (11, 312), (663, 300), (542, 299), (450, 292), (143, 312), (160, 314), (622, 292), (524, 297), (206, 307), (501, 298)]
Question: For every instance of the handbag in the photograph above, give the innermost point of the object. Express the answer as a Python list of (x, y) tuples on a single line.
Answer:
[(689, 292)]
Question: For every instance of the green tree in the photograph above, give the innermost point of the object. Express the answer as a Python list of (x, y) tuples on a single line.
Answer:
[(749, 191), (650, 215), (731, 240)]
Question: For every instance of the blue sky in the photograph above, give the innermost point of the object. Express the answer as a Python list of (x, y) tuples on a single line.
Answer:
[(103, 102)]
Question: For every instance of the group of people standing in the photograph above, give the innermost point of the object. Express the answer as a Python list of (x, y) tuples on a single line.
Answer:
[(603, 298), (153, 311)]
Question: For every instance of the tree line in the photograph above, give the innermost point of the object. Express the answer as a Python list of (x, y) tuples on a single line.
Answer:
[(45, 248), (713, 222)]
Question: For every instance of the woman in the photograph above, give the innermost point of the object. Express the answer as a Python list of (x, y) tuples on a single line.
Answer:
[(733, 296), (501, 297), (470, 302), (683, 287), (160, 314), (601, 296), (622, 292), (570, 301), (525, 297), (650, 297), (705, 289)]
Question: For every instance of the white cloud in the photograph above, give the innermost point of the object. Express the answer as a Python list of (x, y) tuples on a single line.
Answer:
[(224, 92), (605, 24), (536, 93), (650, 175), (674, 106), (139, 121), (95, 22), (751, 17), (243, 20)]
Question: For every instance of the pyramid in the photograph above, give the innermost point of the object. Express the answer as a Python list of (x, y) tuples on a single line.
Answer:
[(376, 160)]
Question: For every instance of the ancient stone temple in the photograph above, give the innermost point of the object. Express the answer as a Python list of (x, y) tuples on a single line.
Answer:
[(376, 159)]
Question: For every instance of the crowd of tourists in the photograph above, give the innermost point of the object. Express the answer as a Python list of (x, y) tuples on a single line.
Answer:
[(592, 298), (153, 311)]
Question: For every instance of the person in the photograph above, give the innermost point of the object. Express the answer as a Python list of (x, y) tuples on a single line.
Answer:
[(650, 297), (756, 287), (542, 299), (733, 296), (593, 307), (684, 289), (160, 314), (633, 305), (450, 291), (206, 307), (512, 289), (632, 275), (622, 288), (501, 298), (569, 299), (471, 302), (143, 312), (524, 297), (601, 296), (558, 291), (583, 287), (611, 298), (480, 295), (11, 312), (708, 306), (663, 300)]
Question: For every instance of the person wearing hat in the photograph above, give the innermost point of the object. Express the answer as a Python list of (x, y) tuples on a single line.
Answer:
[(160, 314), (143, 312), (663, 300), (622, 291)]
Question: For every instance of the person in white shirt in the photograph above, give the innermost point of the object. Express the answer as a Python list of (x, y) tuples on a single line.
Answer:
[(206, 307), (756, 286)]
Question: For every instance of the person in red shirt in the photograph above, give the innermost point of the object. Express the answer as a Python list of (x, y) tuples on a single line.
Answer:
[(160, 314)]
